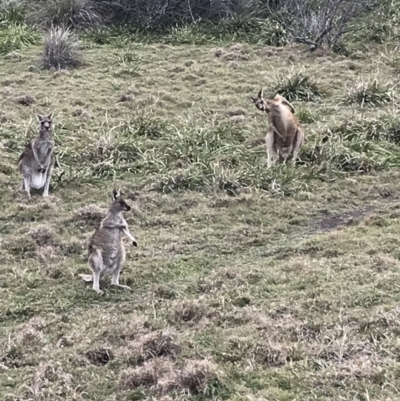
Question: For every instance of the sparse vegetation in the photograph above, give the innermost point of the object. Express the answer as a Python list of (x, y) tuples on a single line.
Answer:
[(248, 283)]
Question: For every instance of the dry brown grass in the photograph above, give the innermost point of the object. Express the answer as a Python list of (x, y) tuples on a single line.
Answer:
[(165, 377), (90, 215), (153, 345)]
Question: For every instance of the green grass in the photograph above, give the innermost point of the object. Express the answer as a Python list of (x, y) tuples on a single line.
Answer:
[(276, 284), (16, 36)]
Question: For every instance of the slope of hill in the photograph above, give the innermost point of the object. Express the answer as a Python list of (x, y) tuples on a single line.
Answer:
[(248, 283)]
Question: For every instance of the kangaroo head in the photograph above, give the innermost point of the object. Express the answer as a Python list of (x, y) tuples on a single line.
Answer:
[(261, 103), (268, 105), (118, 204), (45, 122), (259, 100)]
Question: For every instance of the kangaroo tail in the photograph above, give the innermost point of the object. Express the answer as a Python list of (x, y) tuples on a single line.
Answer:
[(86, 277)]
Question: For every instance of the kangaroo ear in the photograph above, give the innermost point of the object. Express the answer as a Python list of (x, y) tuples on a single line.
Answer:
[(115, 194), (260, 94), (50, 116), (39, 117), (253, 99)]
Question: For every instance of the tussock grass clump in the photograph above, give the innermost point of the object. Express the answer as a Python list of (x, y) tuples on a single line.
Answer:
[(47, 255), (146, 375), (47, 244), (30, 334), (50, 379), (153, 345), (99, 357), (369, 93), (61, 49), (305, 116), (297, 86), (44, 235), (199, 376), (20, 246), (186, 311), (162, 375), (73, 14), (15, 36), (89, 215), (385, 128), (354, 146)]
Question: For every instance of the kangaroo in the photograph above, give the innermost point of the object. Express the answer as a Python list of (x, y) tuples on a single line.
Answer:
[(285, 135), (106, 249), (36, 162)]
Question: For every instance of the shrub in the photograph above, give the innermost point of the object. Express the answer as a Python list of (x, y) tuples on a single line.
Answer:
[(382, 25), (243, 29), (73, 14), (155, 14), (61, 49), (318, 23)]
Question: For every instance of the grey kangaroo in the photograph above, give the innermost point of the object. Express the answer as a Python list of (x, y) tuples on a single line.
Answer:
[(36, 162), (106, 249)]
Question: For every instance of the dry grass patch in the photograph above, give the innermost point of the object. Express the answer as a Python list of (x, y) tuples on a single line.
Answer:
[(51, 382), (44, 235), (148, 375), (99, 357), (91, 215), (30, 334), (187, 311), (161, 343), (196, 377)]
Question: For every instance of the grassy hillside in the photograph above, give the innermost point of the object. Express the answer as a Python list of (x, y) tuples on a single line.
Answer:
[(248, 283)]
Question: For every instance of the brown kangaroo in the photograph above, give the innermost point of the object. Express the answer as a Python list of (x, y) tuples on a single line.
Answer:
[(285, 135)]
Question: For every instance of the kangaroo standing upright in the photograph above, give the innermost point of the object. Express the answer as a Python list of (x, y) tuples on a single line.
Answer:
[(36, 162), (106, 249), (285, 135)]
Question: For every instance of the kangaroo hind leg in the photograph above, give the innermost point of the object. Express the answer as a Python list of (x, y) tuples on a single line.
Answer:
[(49, 173), (269, 143), (96, 263), (298, 143), (117, 271), (27, 185)]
